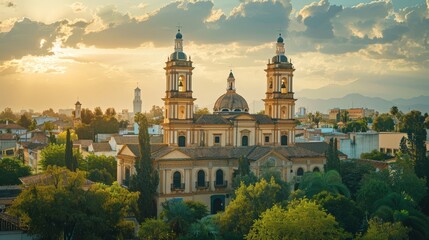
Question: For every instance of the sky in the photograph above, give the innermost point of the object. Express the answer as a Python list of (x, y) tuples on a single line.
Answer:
[(53, 53)]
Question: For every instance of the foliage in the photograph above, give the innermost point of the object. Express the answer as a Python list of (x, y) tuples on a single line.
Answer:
[(11, 170), (24, 121), (374, 186), (356, 126), (65, 209), (70, 160), (155, 115), (7, 114), (54, 155), (204, 228), (384, 230), (313, 183), (178, 215), (352, 172), (332, 159), (346, 212), (375, 155), (414, 126), (62, 136), (315, 118), (198, 209), (86, 115), (202, 111), (249, 203), (85, 131), (244, 175), (303, 219), (146, 179), (100, 168), (154, 229), (383, 123)]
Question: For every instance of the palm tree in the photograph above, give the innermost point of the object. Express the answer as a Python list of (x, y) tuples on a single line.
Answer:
[(316, 182)]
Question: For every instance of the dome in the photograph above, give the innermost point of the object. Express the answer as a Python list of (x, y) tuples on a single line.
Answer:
[(178, 35), (280, 39), (279, 59), (231, 102), (178, 56)]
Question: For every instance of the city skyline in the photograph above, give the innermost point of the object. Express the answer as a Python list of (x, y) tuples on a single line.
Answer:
[(52, 54)]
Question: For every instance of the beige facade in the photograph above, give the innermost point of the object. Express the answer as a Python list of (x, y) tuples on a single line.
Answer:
[(199, 154), (389, 142)]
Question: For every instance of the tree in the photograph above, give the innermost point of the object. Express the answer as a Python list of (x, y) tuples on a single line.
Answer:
[(70, 160), (98, 112), (315, 118), (86, 115), (146, 179), (313, 183), (100, 168), (303, 219), (374, 186), (24, 121), (11, 170), (383, 123), (204, 228), (178, 215), (154, 229), (414, 126), (375, 155), (352, 172), (349, 216), (7, 114), (356, 126), (332, 159), (155, 115), (394, 110), (53, 155), (202, 111), (249, 203), (244, 175), (62, 136), (110, 112), (344, 116), (67, 211), (384, 230)]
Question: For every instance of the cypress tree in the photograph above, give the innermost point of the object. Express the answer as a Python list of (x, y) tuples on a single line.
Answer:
[(332, 159), (69, 152), (146, 179)]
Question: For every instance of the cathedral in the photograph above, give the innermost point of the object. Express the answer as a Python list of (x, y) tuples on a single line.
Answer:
[(199, 155)]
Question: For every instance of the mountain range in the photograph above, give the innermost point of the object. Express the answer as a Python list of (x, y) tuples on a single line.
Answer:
[(355, 100)]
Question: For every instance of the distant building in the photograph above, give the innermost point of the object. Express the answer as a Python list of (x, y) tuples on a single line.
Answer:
[(40, 120), (389, 142), (137, 103), (302, 112), (67, 112), (358, 143), (354, 113), (77, 114), (12, 128)]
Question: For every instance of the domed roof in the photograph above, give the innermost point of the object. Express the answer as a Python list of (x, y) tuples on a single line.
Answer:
[(279, 59), (178, 35), (280, 39), (231, 102), (178, 56)]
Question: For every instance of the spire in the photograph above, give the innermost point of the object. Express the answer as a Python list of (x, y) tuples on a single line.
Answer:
[(230, 82), (280, 48), (178, 46)]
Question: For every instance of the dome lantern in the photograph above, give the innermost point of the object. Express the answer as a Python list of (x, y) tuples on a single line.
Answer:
[(231, 102)]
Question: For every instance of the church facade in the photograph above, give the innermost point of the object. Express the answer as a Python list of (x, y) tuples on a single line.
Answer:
[(200, 153)]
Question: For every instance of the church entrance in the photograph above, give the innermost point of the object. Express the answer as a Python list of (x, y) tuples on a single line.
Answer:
[(245, 141), (217, 203), (283, 140)]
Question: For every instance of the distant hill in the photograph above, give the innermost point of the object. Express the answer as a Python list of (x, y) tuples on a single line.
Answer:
[(356, 100)]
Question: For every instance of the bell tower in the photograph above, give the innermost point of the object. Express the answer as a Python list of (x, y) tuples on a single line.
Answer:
[(279, 101), (77, 120), (178, 100)]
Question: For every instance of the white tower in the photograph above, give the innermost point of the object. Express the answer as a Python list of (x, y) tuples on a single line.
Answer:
[(137, 103)]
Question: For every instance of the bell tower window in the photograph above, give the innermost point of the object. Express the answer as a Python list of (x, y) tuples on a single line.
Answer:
[(182, 84), (284, 85)]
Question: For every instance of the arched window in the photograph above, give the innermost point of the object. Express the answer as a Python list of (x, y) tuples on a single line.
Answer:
[(300, 172), (177, 180), (182, 83), (182, 141), (219, 177), (316, 169), (225, 110), (201, 179), (284, 85), (244, 141), (237, 110), (283, 140)]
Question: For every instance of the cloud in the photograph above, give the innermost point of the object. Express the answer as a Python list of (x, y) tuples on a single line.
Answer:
[(10, 4), (78, 7)]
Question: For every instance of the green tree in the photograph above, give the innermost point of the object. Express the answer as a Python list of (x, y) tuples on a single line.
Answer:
[(375, 155), (110, 112), (243, 174), (249, 203), (385, 230), (154, 229), (53, 155), (346, 212), (356, 126), (7, 114), (146, 179), (332, 159), (313, 183), (303, 219), (24, 121), (344, 116), (374, 186), (62, 209), (383, 123), (11, 170), (352, 172), (204, 228), (178, 215), (100, 168), (70, 161), (86, 116), (414, 126)]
